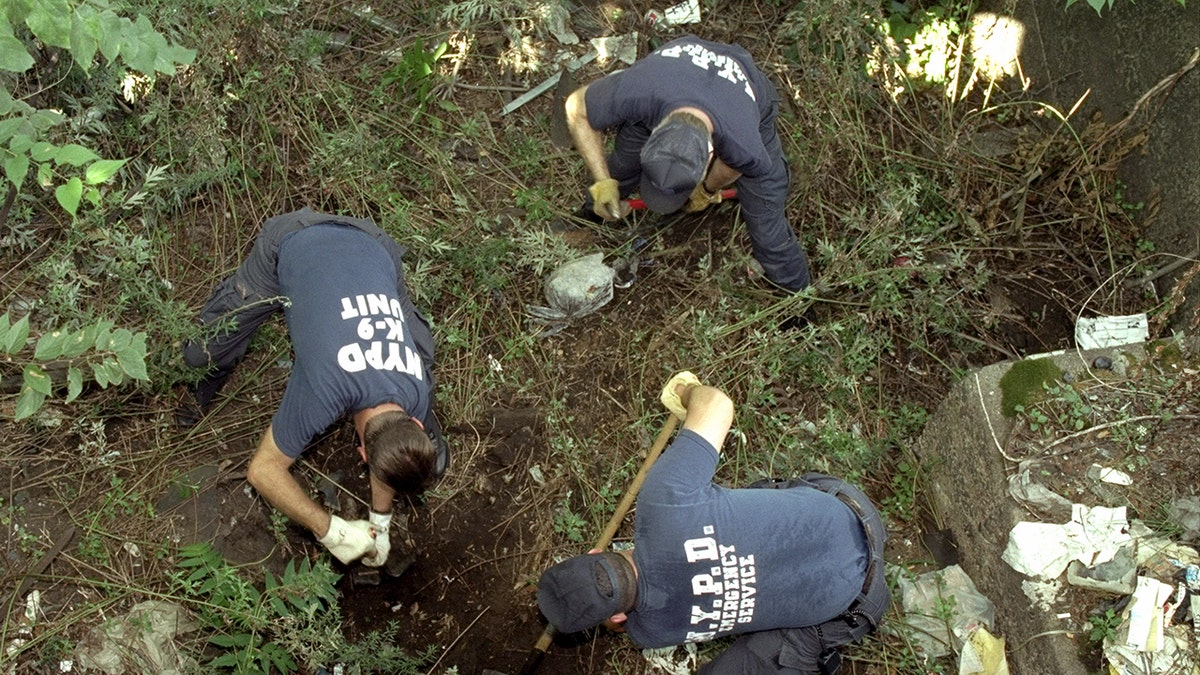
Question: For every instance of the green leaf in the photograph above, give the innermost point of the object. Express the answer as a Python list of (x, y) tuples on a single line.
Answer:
[(13, 55), (42, 151), (100, 373), (50, 21), (69, 194), (112, 26), (102, 170), (74, 383), (28, 402), (222, 641), (37, 379), (76, 343), (114, 372), (103, 330), (17, 336), (50, 345), (133, 363), (16, 168), (85, 36), (11, 127), (73, 154)]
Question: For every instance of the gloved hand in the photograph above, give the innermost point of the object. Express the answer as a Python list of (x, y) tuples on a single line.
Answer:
[(670, 397), (701, 199), (606, 198), (382, 522), (348, 541)]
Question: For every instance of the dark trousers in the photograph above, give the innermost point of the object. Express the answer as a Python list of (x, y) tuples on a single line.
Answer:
[(763, 200), (248, 297), (796, 651)]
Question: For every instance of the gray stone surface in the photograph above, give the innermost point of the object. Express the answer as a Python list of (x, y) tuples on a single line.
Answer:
[(1115, 59)]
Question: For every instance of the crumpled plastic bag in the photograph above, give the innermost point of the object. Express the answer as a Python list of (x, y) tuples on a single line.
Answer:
[(983, 654), (668, 659), (1093, 536), (574, 290), (928, 609), (143, 639)]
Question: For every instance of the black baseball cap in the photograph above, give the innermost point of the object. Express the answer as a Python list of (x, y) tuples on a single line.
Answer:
[(585, 591), (674, 160)]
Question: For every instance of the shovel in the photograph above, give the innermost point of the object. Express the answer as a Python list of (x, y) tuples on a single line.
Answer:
[(547, 637)]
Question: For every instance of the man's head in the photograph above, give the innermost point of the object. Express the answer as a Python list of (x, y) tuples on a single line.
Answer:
[(398, 452), (587, 590), (674, 159)]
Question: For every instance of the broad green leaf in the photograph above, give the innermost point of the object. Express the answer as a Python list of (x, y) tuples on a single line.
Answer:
[(50, 21), (10, 127), (68, 195), (42, 151), (111, 28), (102, 331), (21, 143), (18, 335), (18, 9), (100, 373), (5, 326), (76, 343), (74, 154), (85, 36), (45, 175), (16, 167), (112, 369), (101, 170), (13, 55), (36, 379), (74, 383), (50, 345), (133, 363), (28, 402), (7, 104), (44, 119), (92, 195)]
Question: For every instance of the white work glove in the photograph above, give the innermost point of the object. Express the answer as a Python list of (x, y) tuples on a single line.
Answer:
[(348, 541), (670, 398), (382, 522)]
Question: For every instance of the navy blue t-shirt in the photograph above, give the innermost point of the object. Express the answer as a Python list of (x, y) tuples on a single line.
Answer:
[(714, 561), (717, 78), (352, 343)]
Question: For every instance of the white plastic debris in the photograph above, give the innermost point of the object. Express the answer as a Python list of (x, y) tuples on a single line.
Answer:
[(620, 47), (1144, 615), (940, 599), (1111, 331), (142, 641), (1024, 489), (574, 290), (1174, 656), (1093, 536), (679, 660), (1106, 474)]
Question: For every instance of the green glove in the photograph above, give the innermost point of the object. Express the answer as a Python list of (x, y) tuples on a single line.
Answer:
[(606, 198), (701, 199), (670, 397)]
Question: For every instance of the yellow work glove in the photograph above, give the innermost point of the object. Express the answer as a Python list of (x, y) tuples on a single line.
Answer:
[(670, 397), (701, 199), (606, 198)]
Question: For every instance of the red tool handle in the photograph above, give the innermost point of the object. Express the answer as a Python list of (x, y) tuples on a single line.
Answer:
[(636, 204)]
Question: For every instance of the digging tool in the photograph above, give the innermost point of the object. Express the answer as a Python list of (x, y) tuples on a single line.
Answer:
[(547, 637), (638, 204)]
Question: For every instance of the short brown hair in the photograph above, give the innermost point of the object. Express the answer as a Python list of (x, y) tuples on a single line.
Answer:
[(398, 452)]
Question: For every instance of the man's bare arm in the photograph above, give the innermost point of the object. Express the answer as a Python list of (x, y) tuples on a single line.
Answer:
[(270, 474), (720, 176), (709, 412), (588, 141)]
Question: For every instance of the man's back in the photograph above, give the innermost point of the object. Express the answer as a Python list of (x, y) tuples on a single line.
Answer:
[(714, 561)]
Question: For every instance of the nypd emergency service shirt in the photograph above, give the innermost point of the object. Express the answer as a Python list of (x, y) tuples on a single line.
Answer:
[(353, 347), (714, 561)]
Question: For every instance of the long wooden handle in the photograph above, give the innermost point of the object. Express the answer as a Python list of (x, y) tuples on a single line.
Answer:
[(547, 637)]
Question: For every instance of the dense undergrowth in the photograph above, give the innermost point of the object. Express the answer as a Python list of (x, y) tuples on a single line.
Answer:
[(917, 233)]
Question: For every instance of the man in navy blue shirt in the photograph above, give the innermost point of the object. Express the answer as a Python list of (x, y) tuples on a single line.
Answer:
[(691, 118), (361, 348), (796, 571)]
